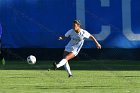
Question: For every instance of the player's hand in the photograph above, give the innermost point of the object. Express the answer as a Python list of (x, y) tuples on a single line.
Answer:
[(60, 38), (98, 46)]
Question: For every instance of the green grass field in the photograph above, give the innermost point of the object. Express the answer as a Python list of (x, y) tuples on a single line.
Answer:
[(95, 76)]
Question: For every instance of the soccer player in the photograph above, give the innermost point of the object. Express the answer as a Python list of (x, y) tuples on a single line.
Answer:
[(77, 35)]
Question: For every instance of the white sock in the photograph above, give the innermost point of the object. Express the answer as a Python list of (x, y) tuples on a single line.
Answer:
[(61, 63), (67, 67)]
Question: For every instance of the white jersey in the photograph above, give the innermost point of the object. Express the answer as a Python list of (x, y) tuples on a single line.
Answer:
[(77, 40)]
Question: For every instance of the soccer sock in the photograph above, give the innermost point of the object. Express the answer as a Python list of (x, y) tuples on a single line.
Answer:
[(61, 63), (67, 67)]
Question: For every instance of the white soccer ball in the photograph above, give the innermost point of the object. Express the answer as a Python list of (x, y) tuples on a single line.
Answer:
[(31, 59)]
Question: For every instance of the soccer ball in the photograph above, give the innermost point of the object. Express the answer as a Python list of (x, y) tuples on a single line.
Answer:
[(31, 59)]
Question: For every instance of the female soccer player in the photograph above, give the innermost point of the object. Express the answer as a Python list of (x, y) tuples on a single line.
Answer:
[(77, 35)]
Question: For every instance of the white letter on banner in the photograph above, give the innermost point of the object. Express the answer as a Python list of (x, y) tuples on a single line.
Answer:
[(80, 14), (106, 30), (126, 18)]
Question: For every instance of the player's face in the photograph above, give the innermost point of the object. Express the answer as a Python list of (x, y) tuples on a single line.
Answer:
[(76, 27)]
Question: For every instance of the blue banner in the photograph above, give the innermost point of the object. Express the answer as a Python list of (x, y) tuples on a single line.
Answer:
[(39, 23)]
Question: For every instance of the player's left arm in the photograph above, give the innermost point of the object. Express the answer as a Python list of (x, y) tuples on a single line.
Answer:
[(94, 39)]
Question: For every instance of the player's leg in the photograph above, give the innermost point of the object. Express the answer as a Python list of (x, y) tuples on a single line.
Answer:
[(65, 54), (67, 57), (67, 66), (64, 62)]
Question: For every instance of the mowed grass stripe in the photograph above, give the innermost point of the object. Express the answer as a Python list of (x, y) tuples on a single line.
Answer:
[(83, 81)]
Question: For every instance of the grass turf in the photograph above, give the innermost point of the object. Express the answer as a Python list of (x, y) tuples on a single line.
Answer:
[(96, 76)]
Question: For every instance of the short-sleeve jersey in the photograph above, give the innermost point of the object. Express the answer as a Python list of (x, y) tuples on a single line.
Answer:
[(77, 39)]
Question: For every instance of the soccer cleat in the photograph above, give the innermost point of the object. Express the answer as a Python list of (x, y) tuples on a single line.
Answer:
[(70, 76), (54, 66)]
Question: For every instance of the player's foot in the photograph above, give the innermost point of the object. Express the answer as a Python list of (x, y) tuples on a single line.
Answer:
[(54, 66), (70, 76)]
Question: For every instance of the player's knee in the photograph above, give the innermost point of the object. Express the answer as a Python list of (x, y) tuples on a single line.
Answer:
[(67, 58)]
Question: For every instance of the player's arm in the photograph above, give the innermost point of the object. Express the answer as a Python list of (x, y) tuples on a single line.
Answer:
[(65, 36), (94, 39), (62, 37)]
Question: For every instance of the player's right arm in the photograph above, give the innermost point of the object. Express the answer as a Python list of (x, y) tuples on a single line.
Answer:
[(62, 38), (65, 36)]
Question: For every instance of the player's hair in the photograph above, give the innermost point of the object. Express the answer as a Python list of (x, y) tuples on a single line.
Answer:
[(77, 22)]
